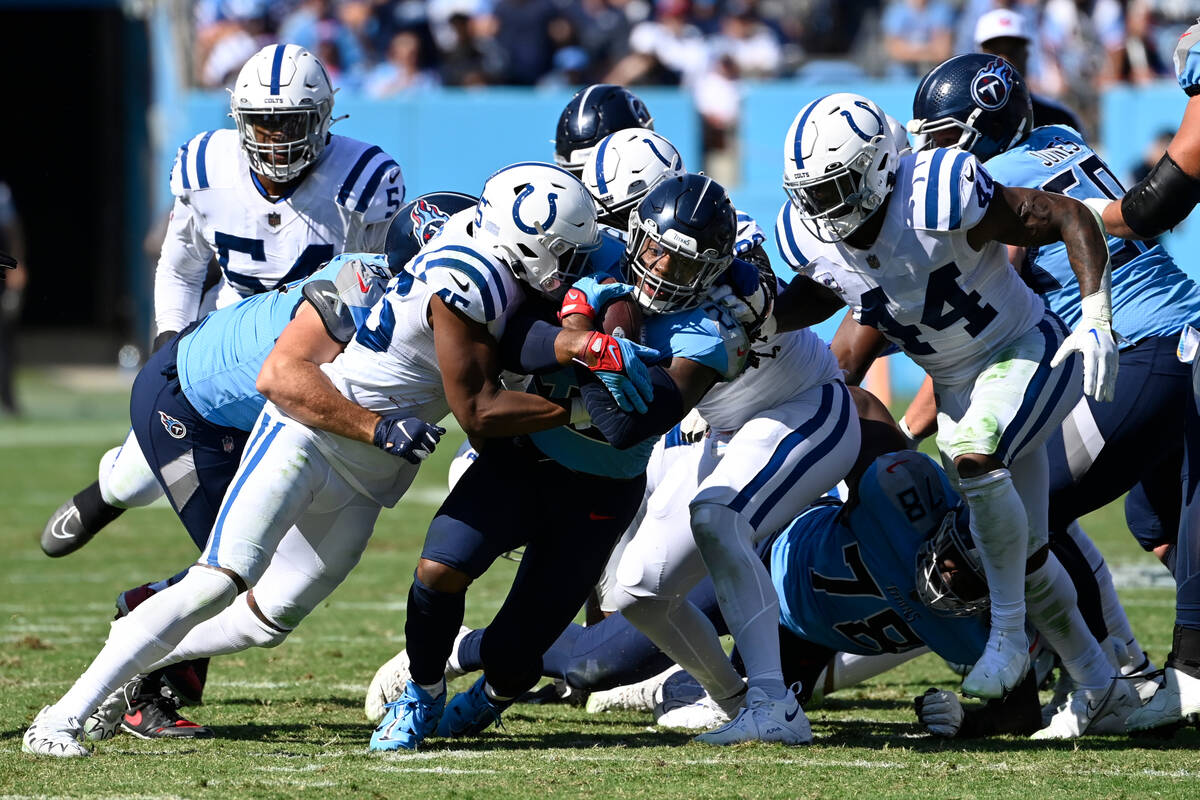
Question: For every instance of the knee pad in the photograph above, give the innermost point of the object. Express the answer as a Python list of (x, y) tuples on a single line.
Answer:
[(715, 525), (206, 587)]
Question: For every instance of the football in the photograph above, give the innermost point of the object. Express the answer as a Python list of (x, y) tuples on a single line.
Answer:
[(622, 317)]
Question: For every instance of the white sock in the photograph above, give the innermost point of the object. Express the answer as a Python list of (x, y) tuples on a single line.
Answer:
[(235, 629), (744, 592), (681, 631), (848, 669), (1054, 611), (125, 478), (1001, 534), (1114, 613), (145, 636)]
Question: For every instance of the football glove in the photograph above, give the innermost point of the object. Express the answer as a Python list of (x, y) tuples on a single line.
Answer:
[(410, 438), (1093, 339), (162, 339), (692, 427), (622, 366), (588, 296), (940, 712)]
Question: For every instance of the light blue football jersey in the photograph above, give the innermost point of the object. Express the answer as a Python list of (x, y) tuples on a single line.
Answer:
[(219, 361), (1151, 296), (848, 581), (707, 335)]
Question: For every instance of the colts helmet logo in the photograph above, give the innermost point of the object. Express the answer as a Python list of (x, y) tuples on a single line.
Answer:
[(427, 220), (992, 85)]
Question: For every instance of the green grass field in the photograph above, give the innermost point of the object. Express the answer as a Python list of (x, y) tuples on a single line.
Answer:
[(290, 720)]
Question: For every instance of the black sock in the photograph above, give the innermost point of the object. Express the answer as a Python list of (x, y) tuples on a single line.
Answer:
[(94, 513), (1185, 651), (433, 621)]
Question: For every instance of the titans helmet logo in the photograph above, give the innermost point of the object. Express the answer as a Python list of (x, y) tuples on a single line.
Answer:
[(992, 85), (427, 220)]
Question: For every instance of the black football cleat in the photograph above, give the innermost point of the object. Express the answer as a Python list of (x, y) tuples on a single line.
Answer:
[(153, 716), (76, 521)]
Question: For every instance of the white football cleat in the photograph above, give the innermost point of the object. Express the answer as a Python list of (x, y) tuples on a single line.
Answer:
[(105, 721), (1093, 711), (641, 696), (1062, 695), (390, 679), (1003, 664), (1177, 700), (48, 736), (764, 720)]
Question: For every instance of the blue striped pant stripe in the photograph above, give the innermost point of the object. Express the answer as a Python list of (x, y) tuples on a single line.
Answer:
[(811, 458), (1032, 393), (251, 463), (1064, 380), (784, 449)]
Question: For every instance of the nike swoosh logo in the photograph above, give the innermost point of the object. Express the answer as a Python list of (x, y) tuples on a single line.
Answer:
[(614, 352), (592, 515), (895, 464), (135, 718), (789, 717), (60, 524), (460, 283), (361, 284)]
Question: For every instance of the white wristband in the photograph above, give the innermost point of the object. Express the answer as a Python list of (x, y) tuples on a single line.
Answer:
[(908, 434)]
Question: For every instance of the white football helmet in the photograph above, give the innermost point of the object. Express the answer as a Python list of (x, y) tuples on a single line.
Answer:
[(622, 168), (282, 103), (542, 220), (839, 163)]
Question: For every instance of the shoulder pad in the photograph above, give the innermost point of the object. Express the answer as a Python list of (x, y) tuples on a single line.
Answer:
[(198, 158), (1187, 61), (950, 190), (466, 279), (787, 240), (334, 313), (749, 234), (368, 181)]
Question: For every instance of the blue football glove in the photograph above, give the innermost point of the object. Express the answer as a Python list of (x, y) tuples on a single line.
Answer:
[(588, 296), (409, 438), (622, 366)]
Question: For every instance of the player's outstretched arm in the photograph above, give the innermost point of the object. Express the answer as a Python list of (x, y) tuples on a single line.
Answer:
[(292, 379), (1167, 194), (1031, 218), (469, 359), (677, 389), (805, 302)]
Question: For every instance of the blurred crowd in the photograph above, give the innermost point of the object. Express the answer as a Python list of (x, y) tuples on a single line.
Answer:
[(384, 47)]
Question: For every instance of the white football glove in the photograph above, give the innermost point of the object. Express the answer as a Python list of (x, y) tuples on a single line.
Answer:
[(940, 712), (753, 312), (1093, 338), (693, 427)]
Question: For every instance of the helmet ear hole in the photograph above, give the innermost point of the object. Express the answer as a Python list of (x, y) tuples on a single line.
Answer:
[(526, 250)]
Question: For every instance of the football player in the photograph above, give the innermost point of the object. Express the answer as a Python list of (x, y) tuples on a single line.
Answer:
[(319, 468), (593, 113), (914, 246), (569, 491), (271, 201), (1154, 205)]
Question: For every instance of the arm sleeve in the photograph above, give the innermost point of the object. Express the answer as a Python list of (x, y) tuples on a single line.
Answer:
[(527, 346), (179, 276), (335, 315), (622, 429), (1160, 200)]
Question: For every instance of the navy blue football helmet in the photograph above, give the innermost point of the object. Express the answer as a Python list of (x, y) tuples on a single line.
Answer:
[(681, 238), (981, 96), (592, 114), (419, 221)]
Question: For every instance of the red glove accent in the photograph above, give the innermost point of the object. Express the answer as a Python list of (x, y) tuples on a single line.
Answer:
[(606, 351), (576, 303)]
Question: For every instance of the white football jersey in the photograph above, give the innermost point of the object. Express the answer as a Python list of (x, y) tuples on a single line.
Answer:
[(390, 366), (947, 305), (344, 204), (789, 364)]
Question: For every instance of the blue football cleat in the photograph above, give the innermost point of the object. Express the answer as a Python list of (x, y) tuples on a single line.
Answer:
[(471, 712), (409, 719)]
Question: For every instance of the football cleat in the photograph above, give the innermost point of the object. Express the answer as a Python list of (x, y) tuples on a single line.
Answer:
[(1003, 664), (1062, 694), (151, 715), (471, 712), (1176, 701), (49, 736), (641, 696), (390, 680), (65, 533), (105, 721), (764, 720), (1143, 677), (409, 719), (1092, 711), (699, 715)]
